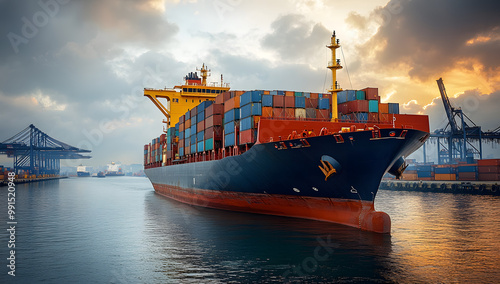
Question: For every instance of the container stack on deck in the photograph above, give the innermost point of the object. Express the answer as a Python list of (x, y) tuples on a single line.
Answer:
[(364, 106), (483, 170)]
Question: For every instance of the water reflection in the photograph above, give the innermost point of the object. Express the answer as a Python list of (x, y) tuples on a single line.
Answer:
[(443, 237), (195, 242)]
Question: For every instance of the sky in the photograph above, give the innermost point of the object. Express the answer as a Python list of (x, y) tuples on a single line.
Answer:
[(77, 69)]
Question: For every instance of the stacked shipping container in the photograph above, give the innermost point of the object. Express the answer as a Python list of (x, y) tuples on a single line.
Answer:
[(484, 170), (364, 106)]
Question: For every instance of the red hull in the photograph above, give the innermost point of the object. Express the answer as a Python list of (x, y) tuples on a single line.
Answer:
[(355, 213)]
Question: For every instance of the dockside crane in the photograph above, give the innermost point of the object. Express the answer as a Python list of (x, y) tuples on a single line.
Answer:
[(461, 139)]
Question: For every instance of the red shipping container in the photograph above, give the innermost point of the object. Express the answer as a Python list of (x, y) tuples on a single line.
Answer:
[(162, 138), (384, 117), (466, 176), (247, 136), (342, 108), (209, 133), (213, 120), (290, 112), (200, 126), (232, 103), (187, 124), (489, 177), (278, 112), (489, 169), (181, 127), (314, 96), (357, 106), (371, 93), (290, 101), (278, 101), (373, 117), (383, 108), (488, 162), (322, 113), (311, 103), (182, 119), (181, 143), (220, 98), (267, 112), (218, 132), (194, 111)]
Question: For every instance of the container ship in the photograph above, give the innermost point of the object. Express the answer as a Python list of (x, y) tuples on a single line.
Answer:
[(81, 171), (114, 170), (317, 156)]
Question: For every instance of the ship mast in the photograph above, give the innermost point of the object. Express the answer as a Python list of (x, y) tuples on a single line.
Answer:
[(334, 65), (204, 74)]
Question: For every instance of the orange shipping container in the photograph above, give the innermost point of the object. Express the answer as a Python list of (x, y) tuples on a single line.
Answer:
[(289, 112), (232, 103), (289, 93), (200, 126), (445, 177), (267, 112), (383, 108)]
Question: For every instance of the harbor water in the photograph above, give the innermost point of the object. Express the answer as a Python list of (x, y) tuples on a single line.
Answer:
[(118, 230)]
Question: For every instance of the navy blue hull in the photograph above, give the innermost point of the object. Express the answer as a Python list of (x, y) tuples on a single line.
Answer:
[(270, 169)]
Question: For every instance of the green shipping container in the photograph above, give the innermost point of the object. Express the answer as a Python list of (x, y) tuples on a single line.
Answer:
[(372, 106), (360, 95), (209, 144)]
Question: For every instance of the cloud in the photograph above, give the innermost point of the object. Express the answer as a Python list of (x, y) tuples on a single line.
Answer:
[(434, 37), (294, 37)]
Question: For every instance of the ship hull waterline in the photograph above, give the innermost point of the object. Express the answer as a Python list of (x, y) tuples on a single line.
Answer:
[(288, 181)]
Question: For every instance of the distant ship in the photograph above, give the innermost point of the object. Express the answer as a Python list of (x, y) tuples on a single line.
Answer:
[(114, 170), (82, 171)]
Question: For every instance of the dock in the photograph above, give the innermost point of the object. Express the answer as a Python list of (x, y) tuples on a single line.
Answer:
[(29, 180), (462, 187)]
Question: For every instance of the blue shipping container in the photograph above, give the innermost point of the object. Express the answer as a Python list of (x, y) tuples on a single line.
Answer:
[(203, 105), (341, 97), (444, 170), (200, 136), (229, 140), (181, 151), (246, 123), (251, 97), (181, 135), (362, 117), (307, 95), (424, 168), (351, 95), (251, 109), (373, 106), (200, 146), (267, 100), (300, 102), (229, 127), (193, 148), (467, 169), (426, 174), (201, 116), (193, 139), (187, 132), (187, 115), (193, 130), (209, 144), (187, 142), (394, 108), (324, 103), (231, 115), (193, 120)]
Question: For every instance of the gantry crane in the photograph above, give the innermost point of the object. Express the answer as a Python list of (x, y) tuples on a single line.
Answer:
[(461, 138)]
